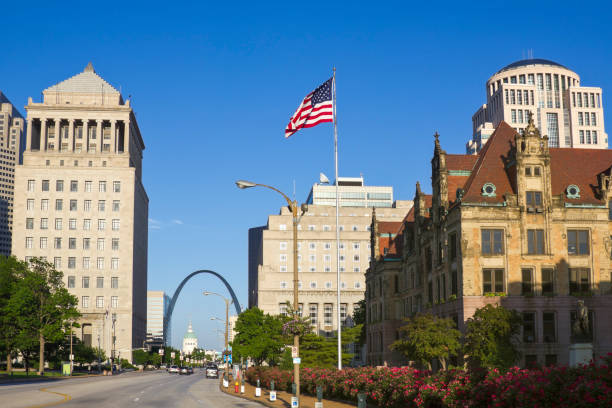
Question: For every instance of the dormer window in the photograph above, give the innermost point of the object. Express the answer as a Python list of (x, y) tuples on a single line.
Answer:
[(572, 191), (536, 171), (488, 190), (533, 199)]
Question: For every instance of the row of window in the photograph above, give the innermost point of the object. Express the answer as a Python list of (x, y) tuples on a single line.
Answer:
[(313, 310), (519, 97), (283, 227), (72, 224), (493, 281), (72, 243), (99, 302), (584, 119), (326, 245), (492, 242), (283, 268), (549, 326), (313, 258), (519, 115), (314, 285), (588, 136), (72, 205), (86, 262), (99, 282), (588, 100), (74, 186)]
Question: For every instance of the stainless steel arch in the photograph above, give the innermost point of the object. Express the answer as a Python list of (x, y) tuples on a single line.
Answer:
[(180, 287)]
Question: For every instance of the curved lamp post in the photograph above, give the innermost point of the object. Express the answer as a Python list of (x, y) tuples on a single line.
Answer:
[(228, 302), (242, 184)]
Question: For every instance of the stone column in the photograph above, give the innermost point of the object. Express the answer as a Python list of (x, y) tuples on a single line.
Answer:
[(43, 134), (58, 137), (114, 136), (126, 137), (85, 140), (100, 141), (70, 135), (29, 135)]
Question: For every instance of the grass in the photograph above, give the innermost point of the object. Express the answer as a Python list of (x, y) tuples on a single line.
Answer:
[(20, 375)]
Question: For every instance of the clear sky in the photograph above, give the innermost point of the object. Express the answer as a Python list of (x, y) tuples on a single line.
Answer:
[(213, 85)]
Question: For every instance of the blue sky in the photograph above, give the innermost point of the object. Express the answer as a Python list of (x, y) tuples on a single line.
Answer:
[(213, 85)]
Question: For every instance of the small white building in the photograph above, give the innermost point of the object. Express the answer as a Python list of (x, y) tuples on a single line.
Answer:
[(190, 341)]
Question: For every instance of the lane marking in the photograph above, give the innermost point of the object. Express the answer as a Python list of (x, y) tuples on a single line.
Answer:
[(67, 398)]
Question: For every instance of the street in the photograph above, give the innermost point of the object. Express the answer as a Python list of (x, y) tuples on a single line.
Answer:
[(149, 389)]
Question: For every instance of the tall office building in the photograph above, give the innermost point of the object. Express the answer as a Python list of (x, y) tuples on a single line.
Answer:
[(271, 259), (571, 115), (157, 313), (11, 133), (81, 205)]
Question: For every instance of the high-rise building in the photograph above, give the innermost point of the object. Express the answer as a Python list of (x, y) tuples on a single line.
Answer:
[(190, 341), (157, 313), (12, 126), (353, 193), (571, 115), (80, 204), (271, 257)]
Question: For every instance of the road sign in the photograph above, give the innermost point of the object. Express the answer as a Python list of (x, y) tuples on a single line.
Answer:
[(172, 354), (161, 351), (72, 357), (294, 352), (181, 357), (187, 359), (297, 360)]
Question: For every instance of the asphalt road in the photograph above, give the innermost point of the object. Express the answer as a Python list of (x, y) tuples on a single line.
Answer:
[(150, 389)]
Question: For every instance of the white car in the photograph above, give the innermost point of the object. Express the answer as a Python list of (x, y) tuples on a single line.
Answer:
[(173, 369)]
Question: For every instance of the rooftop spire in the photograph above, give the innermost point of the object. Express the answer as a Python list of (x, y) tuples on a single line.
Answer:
[(89, 68), (437, 143)]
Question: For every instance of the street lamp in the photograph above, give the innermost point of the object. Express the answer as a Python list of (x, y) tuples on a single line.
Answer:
[(228, 302), (242, 184)]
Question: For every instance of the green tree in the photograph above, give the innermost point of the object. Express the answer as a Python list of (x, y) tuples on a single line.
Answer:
[(491, 338), (42, 308), (140, 357), (359, 317), (11, 271), (427, 337), (322, 352), (258, 336)]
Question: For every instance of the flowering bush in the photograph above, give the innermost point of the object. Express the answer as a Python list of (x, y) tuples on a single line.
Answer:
[(393, 387), (296, 327)]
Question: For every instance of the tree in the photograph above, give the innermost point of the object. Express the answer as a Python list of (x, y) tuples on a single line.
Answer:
[(491, 338), (359, 317), (427, 337), (11, 270), (42, 307), (322, 352), (140, 357), (258, 336)]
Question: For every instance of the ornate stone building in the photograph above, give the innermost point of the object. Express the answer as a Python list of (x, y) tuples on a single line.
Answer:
[(520, 224)]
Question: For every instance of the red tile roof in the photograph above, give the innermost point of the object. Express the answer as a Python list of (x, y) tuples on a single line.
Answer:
[(460, 161), (392, 241)]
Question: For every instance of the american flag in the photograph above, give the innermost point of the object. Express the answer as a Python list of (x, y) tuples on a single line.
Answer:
[(317, 107)]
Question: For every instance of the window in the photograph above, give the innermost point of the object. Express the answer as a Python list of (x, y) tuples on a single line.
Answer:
[(71, 282), (100, 244), (550, 360), (115, 224), (100, 263), (283, 257), (73, 205), (30, 204), (31, 185), (101, 205), (87, 205), (578, 242), (580, 119), (114, 302), (59, 204), (71, 243), (44, 204), (57, 243), (547, 281), (100, 282), (312, 246), (492, 241), (88, 186), (85, 302), (86, 224), (492, 281), (534, 199), (116, 186), (355, 245), (114, 282), (313, 285), (536, 171), (58, 223), (326, 228), (311, 228), (85, 281), (114, 263), (30, 223), (59, 185), (86, 265), (115, 244), (71, 262), (579, 281), (452, 247), (74, 186), (100, 302), (282, 227), (57, 262), (29, 242), (313, 310), (527, 281), (43, 242), (44, 223), (327, 314), (101, 224), (529, 327), (312, 258), (535, 242), (548, 326), (45, 185), (115, 205), (102, 186), (283, 246)]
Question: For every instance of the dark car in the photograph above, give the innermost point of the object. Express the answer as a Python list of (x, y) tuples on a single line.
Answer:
[(212, 371), (184, 370)]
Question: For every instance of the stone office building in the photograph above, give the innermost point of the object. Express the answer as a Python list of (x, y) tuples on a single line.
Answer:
[(520, 224), (80, 204)]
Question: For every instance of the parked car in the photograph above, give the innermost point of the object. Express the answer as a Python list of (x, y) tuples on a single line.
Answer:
[(190, 369), (212, 371), (184, 370), (173, 369)]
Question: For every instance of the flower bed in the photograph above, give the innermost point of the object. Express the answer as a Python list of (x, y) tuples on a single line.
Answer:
[(584, 386)]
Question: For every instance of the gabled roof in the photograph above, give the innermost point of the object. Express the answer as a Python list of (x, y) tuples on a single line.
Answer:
[(460, 161), (87, 82), (389, 239)]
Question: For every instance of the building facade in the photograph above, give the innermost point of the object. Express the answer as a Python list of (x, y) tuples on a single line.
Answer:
[(519, 224), (190, 341), (571, 115), (353, 193), (271, 260), (157, 313), (12, 126), (81, 205)]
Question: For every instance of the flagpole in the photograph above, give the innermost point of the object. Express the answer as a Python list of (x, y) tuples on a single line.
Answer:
[(337, 224)]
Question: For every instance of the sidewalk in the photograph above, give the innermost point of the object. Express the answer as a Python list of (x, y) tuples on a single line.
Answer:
[(283, 399)]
